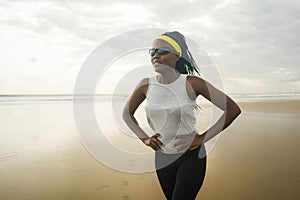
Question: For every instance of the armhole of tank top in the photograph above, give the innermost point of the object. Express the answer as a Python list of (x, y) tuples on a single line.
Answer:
[(186, 90)]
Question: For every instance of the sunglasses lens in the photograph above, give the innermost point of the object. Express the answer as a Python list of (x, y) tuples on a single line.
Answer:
[(152, 52), (160, 51)]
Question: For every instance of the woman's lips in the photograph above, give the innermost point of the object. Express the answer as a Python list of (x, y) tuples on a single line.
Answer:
[(156, 62)]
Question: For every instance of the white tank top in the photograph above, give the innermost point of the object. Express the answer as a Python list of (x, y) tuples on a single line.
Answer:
[(169, 110)]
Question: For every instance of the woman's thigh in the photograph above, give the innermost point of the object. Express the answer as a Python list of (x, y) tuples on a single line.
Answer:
[(190, 176), (166, 170), (181, 178)]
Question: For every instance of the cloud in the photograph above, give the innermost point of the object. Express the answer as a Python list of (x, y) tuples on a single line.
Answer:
[(248, 40), (285, 75)]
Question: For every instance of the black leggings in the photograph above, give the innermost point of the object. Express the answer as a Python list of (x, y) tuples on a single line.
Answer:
[(181, 175)]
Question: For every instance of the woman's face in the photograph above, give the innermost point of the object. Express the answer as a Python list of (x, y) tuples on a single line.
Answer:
[(165, 62)]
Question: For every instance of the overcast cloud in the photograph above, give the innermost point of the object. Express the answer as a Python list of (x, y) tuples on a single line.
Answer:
[(254, 44)]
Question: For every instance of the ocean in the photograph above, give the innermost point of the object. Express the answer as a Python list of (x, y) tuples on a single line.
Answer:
[(15, 99)]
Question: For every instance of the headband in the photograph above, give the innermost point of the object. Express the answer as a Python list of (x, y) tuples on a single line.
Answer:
[(172, 42)]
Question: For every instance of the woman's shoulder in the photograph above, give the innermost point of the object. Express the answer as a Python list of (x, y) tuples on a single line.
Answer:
[(197, 83), (194, 79), (147, 80), (144, 81), (142, 86)]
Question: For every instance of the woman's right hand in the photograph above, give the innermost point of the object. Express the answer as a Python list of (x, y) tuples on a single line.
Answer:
[(154, 142)]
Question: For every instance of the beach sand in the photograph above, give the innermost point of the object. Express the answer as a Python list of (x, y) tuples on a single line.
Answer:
[(42, 157)]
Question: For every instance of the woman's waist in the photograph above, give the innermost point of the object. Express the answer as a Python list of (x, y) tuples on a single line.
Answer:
[(169, 140), (173, 151), (169, 135), (170, 129)]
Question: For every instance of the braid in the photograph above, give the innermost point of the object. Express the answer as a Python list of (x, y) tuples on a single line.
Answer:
[(186, 63)]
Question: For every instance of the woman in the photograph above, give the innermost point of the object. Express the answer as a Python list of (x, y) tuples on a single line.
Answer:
[(180, 157)]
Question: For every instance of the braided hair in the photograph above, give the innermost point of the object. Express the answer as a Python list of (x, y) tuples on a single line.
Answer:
[(186, 63)]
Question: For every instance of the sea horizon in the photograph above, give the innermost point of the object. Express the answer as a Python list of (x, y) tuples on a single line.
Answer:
[(34, 98)]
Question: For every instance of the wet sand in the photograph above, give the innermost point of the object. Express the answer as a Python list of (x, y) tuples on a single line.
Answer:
[(41, 157)]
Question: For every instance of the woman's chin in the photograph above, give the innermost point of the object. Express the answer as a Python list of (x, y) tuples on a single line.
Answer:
[(159, 67)]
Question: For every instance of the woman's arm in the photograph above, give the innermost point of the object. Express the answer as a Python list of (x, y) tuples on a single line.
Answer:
[(218, 98), (136, 98), (198, 86)]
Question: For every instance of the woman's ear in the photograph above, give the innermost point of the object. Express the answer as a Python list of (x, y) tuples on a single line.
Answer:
[(176, 58)]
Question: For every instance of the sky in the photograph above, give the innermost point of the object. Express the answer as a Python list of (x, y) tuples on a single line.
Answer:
[(253, 44)]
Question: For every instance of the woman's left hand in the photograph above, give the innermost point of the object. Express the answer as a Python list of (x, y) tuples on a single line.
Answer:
[(188, 141)]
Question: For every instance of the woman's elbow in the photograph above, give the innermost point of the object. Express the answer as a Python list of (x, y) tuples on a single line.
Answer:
[(236, 110), (125, 114), (233, 108)]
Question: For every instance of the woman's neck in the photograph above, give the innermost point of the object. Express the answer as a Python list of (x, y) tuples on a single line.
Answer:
[(167, 78)]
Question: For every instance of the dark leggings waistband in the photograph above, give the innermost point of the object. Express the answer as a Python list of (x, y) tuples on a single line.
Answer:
[(181, 153), (166, 159)]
